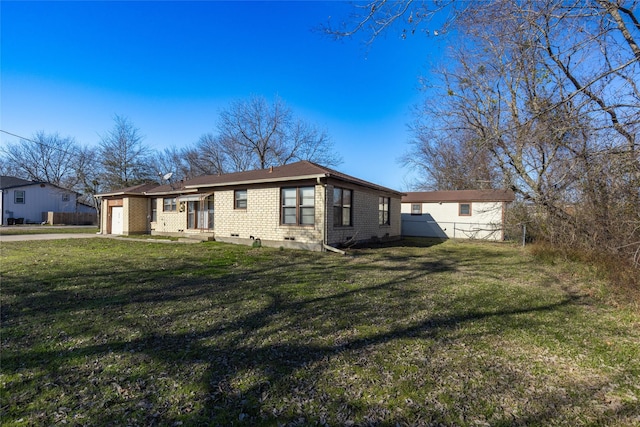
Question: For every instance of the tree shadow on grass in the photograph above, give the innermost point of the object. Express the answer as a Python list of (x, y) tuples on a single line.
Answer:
[(284, 368), (274, 363), (294, 369), (288, 372), (404, 242)]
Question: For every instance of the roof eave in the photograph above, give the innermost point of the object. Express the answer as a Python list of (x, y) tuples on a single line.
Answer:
[(367, 184), (458, 201), (295, 178), (170, 193), (118, 193), (257, 181)]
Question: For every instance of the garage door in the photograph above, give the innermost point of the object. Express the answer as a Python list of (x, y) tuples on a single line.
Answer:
[(117, 220)]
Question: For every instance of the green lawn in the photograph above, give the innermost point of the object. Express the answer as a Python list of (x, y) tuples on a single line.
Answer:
[(102, 331)]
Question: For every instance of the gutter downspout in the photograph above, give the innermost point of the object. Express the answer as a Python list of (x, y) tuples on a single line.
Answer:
[(97, 204), (332, 249)]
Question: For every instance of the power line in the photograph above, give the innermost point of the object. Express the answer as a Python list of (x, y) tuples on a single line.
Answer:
[(21, 137), (71, 151), (44, 144)]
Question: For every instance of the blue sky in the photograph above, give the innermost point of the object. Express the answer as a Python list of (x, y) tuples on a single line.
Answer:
[(171, 67)]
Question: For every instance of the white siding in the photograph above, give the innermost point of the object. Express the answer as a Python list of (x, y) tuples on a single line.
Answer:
[(39, 198), (443, 220)]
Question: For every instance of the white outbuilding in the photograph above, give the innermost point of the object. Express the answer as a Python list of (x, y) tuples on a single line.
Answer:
[(462, 214)]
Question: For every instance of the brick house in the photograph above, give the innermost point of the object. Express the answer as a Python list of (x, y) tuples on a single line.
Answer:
[(298, 205), (466, 214)]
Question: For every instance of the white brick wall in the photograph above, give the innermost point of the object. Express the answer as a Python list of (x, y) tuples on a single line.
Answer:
[(261, 219), (170, 221), (365, 216)]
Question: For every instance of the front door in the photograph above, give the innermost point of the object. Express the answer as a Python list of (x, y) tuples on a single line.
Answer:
[(117, 220), (209, 212), (192, 214), (200, 214)]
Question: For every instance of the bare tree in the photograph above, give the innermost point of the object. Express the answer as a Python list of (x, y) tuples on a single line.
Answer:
[(256, 134), (216, 154), (125, 160), (175, 161), (549, 89), (256, 127), (308, 142), (450, 164), (449, 157), (8, 167), (375, 17), (45, 157), (88, 174)]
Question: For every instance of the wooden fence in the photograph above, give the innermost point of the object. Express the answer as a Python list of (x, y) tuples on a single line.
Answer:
[(70, 218)]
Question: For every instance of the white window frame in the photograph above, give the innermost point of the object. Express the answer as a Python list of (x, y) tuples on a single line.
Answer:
[(19, 197)]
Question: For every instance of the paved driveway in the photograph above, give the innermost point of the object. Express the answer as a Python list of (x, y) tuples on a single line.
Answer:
[(46, 235), (51, 236), (58, 236)]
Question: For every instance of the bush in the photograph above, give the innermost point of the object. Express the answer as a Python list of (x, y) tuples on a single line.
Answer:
[(622, 276)]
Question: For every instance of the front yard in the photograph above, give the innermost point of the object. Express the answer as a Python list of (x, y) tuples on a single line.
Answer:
[(113, 332)]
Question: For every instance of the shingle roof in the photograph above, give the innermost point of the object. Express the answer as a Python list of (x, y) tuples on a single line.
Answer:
[(459, 196), (140, 189), (12, 181), (299, 170)]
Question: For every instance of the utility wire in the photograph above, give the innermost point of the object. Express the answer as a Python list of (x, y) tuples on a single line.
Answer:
[(21, 137), (44, 144)]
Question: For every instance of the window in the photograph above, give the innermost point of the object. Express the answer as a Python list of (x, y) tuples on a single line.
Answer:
[(65, 197), (298, 205), (342, 201), (464, 209), (169, 204), (289, 205), (307, 205), (383, 210), (18, 197), (416, 209), (240, 197), (154, 210)]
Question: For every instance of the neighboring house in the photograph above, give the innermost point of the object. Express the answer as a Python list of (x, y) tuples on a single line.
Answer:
[(301, 205), (29, 202), (475, 214)]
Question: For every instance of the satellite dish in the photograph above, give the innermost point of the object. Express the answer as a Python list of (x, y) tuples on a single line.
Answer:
[(167, 176)]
